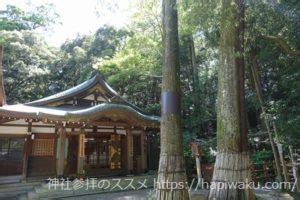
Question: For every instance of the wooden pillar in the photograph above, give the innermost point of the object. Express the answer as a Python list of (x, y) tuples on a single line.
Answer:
[(26, 153), (61, 155), (281, 157), (198, 167), (143, 153), (27, 148), (294, 169), (81, 153), (284, 169), (129, 152)]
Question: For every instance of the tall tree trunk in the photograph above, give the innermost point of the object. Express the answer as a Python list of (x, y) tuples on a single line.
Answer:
[(171, 164), (2, 90), (232, 161), (258, 89), (195, 81), (194, 70)]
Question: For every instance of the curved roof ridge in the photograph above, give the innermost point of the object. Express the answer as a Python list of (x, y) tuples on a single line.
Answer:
[(96, 77), (107, 106), (66, 93)]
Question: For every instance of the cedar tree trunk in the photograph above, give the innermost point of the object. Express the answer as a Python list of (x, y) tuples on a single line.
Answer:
[(171, 183), (232, 161)]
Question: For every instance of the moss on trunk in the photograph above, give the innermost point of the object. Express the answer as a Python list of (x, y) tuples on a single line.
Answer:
[(232, 162), (171, 183)]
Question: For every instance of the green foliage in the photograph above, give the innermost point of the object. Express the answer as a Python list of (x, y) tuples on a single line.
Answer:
[(151, 195), (27, 57), (135, 71), (26, 63), (187, 153), (80, 55), (261, 156), (13, 18), (208, 157), (279, 71)]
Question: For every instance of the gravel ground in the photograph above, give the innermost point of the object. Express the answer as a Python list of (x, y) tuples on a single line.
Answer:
[(127, 195), (200, 195)]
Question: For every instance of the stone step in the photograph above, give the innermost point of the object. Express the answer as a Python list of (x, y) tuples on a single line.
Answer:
[(18, 185), (8, 191), (10, 179), (44, 192)]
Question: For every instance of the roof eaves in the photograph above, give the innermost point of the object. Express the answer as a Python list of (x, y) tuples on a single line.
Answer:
[(65, 94), (25, 111)]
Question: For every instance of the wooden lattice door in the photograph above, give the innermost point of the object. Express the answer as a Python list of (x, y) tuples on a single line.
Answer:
[(41, 160), (11, 154)]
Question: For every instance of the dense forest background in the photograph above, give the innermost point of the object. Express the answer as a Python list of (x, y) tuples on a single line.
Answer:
[(130, 59)]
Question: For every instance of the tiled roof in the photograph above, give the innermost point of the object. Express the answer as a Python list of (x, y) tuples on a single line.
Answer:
[(104, 110), (97, 78), (118, 109)]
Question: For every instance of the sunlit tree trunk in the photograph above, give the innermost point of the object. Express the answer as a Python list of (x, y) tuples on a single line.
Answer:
[(232, 161), (171, 165), (2, 91)]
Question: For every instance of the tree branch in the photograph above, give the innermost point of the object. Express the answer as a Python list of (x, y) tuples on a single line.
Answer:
[(282, 44)]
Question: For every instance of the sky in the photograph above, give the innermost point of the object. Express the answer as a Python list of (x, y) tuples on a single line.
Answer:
[(79, 16)]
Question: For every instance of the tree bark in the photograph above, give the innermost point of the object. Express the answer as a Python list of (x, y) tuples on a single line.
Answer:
[(193, 65), (232, 161), (171, 183), (2, 90), (195, 81), (282, 44)]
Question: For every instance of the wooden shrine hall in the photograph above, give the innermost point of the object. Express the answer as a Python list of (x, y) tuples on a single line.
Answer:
[(83, 131)]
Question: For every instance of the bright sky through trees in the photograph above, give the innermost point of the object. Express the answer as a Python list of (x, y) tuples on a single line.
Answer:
[(79, 17)]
